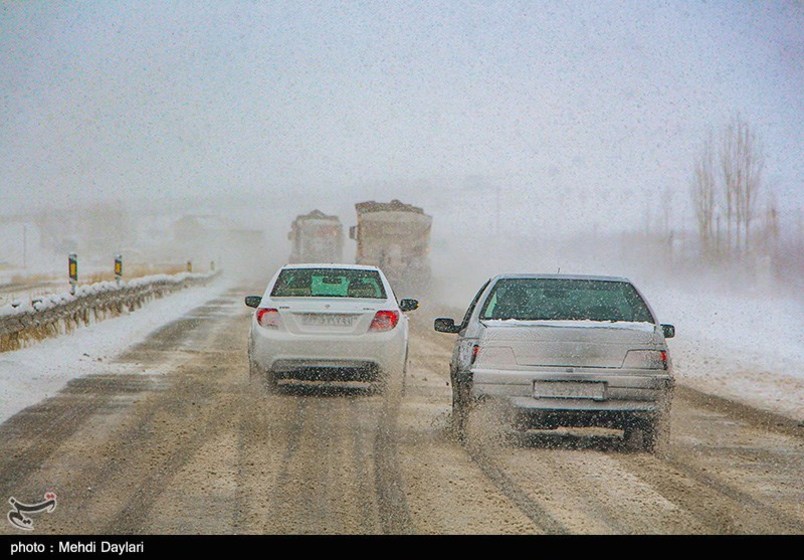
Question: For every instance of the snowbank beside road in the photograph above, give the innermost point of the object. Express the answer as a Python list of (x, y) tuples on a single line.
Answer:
[(744, 345), (60, 314), (29, 375), (50, 301)]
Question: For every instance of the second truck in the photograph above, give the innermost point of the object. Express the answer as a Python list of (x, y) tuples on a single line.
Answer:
[(396, 238), (316, 238)]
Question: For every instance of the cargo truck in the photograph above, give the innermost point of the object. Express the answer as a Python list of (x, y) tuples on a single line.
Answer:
[(396, 238), (316, 238)]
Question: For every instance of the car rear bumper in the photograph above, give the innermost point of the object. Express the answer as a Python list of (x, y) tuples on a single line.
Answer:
[(616, 393), (323, 357), (553, 418), (326, 370)]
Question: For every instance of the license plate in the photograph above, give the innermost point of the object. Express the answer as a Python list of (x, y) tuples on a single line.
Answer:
[(328, 320), (595, 390)]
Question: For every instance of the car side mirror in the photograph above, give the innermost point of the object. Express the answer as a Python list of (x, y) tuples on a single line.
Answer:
[(408, 304), (446, 325), (669, 331), (253, 301)]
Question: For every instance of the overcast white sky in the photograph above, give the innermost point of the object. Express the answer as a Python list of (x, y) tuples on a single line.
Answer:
[(595, 106)]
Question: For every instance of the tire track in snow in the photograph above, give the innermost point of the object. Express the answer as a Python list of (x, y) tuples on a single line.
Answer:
[(389, 486), (515, 493)]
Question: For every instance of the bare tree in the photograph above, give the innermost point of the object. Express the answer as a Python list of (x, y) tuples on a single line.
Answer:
[(726, 183), (769, 236), (727, 186), (742, 162), (703, 194)]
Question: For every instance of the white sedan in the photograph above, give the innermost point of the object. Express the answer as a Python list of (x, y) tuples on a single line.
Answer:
[(326, 322)]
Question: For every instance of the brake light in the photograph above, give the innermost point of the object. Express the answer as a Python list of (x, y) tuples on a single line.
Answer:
[(268, 317), (475, 352), (384, 320), (645, 359)]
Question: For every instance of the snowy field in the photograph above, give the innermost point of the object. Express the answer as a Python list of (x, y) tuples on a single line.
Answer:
[(29, 375), (743, 344)]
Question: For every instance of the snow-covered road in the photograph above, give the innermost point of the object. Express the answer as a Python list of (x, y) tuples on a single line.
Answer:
[(170, 437), (29, 375), (744, 345)]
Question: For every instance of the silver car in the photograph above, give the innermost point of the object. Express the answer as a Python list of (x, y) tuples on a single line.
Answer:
[(559, 350)]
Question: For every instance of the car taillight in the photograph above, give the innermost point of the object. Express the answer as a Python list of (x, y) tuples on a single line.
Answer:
[(268, 317), (645, 359), (475, 352), (384, 321)]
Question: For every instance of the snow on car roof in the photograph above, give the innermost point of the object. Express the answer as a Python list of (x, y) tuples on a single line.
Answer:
[(332, 265), (564, 277)]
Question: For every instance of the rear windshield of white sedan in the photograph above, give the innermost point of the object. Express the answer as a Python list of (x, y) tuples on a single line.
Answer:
[(329, 282), (548, 299)]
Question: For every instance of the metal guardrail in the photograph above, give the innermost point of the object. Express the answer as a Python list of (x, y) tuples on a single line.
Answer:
[(59, 314)]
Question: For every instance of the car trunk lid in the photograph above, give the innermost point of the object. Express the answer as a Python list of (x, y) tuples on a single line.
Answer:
[(327, 315), (592, 344)]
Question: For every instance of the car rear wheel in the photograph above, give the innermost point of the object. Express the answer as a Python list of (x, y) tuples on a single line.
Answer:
[(660, 434), (485, 423), (380, 384), (405, 374), (636, 436), (651, 435), (460, 409), (477, 421), (265, 380), (269, 382)]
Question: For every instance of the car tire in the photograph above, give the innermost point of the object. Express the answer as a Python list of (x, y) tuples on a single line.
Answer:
[(269, 382), (662, 424), (485, 423), (659, 434), (405, 374), (636, 436), (477, 421), (380, 384), (651, 435), (253, 371), (460, 409), (265, 380)]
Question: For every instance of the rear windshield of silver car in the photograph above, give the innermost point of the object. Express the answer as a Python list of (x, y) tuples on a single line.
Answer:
[(329, 282), (548, 299)]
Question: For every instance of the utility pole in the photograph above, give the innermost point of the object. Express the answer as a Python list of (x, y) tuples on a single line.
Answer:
[(25, 246)]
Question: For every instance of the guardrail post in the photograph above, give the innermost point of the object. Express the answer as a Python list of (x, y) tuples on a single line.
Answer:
[(73, 271), (118, 268)]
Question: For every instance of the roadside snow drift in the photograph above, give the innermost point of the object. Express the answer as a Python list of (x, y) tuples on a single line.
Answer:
[(32, 374)]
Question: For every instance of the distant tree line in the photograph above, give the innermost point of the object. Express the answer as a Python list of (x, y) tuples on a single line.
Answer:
[(727, 183)]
